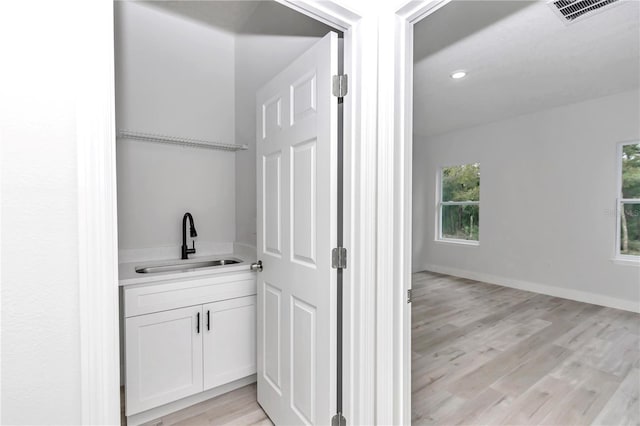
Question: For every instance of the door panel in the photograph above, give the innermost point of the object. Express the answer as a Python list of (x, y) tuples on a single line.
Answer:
[(303, 97), (164, 358), (303, 202), (272, 185), (303, 362), (271, 359), (229, 333), (297, 228), (271, 117)]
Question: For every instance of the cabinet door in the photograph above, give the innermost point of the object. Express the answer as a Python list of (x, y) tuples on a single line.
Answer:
[(164, 357), (229, 340)]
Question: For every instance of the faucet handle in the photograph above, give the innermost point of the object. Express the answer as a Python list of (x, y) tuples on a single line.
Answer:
[(190, 250)]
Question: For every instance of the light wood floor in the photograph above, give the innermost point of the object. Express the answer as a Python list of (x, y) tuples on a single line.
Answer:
[(484, 354), (236, 408), (489, 355)]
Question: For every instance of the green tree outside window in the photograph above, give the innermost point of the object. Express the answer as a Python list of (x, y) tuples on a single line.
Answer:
[(630, 202), (460, 203)]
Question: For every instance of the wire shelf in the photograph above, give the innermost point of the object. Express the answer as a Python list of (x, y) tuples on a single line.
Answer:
[(195, 143)]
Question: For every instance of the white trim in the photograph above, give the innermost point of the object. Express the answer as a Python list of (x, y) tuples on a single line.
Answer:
[(549, 290), (328, 12), (619, 258), (459, 203), (399, 154), (618, 192), (97, 217), (471, 243), (627, 260), (360, 168), (416, 10), (384, 350), (1, 244), (403, 133)]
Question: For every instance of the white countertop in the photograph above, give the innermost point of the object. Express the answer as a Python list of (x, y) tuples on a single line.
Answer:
[(128, 275)]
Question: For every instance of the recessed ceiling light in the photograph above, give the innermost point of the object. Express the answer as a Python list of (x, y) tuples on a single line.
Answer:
[(456, 75)]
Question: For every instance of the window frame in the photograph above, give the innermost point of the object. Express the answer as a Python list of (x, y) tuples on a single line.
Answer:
[(620, 202), (439, 238)]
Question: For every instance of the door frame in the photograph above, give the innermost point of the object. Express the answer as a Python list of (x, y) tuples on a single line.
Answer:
[(97, 217), (97, 211), (397, 102)]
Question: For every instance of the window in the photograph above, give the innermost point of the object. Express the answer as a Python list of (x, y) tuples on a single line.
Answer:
[(629, 201), (459, 205)]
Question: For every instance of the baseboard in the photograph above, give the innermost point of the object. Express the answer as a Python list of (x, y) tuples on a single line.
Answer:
[(163, 410), (564, 293)]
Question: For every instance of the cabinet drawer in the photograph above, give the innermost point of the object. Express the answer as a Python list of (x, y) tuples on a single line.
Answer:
[(175, 294)]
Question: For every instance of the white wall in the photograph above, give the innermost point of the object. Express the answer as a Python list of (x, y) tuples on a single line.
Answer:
[(174, 76), (271, 39), (547, 200), (179, 76), (40, 330)]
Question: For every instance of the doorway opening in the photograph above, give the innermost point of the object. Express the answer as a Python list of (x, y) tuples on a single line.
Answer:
[(187, 74), (509, 293)]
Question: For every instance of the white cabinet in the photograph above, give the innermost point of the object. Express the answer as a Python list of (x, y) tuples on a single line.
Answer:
[(164, 358), (173, 351), (229, 340)]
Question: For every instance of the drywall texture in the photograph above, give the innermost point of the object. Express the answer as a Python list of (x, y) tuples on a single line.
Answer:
[(174, 76), (547, 198), (40, 331), (272, 38)]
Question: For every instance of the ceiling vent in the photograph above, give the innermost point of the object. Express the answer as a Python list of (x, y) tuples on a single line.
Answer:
[(571, 11)]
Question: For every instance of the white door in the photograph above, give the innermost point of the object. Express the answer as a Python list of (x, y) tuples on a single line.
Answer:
[(296, 146), (229, 333), (164, 357)]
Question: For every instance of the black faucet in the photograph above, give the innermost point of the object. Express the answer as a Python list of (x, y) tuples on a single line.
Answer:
[(186, 251)]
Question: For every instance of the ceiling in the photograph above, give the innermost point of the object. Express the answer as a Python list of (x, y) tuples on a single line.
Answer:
[(244, 16), (227, 15), (520, 58)]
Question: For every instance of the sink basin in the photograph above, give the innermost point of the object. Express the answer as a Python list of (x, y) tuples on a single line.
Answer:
[(185, 266)]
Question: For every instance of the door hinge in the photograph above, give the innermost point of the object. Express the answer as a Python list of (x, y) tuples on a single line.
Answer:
[(340, 85), (339, 258), (338, 420), (409, 296)]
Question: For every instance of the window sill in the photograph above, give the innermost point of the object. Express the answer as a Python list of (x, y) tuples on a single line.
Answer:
[(470, 243), (627, 261)]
